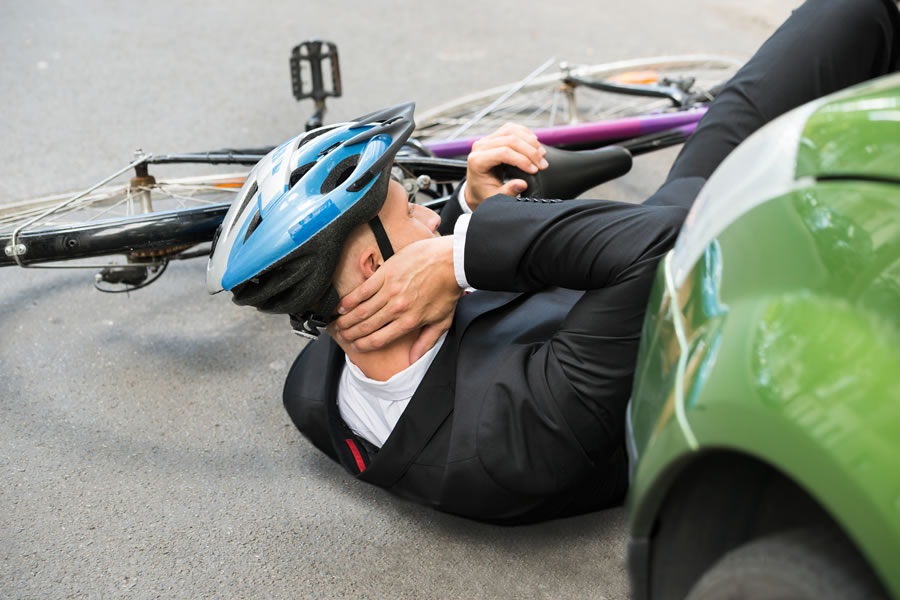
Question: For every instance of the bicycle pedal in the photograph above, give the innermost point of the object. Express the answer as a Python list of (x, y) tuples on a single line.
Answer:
[(129, 275), (315, 70)]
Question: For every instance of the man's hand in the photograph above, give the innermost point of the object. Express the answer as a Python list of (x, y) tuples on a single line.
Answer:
[(415, 288), (511, 145)]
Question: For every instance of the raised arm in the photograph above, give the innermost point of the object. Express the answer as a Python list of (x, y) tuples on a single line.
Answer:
[(581, 245), (568, 391), (416, 288)]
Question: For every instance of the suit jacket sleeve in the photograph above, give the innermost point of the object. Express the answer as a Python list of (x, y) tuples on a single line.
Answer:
[(557, 406)]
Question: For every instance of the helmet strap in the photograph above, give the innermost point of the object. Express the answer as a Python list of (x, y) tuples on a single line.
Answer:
[(311, 323), (381, 237)]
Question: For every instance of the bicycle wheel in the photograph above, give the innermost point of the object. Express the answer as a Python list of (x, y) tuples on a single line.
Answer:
[(146, 219), (548, 101), (150, 220)]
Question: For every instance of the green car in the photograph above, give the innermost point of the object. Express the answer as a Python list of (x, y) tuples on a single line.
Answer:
[(764, 426)]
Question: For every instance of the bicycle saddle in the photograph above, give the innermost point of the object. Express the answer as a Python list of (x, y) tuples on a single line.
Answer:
[(571, 173)]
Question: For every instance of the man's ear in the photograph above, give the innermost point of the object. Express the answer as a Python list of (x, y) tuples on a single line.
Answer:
[(369, 261)]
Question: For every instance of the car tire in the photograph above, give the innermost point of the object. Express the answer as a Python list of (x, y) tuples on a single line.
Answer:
[(794, 565)]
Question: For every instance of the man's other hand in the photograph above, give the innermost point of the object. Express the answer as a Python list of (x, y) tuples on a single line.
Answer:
[(414, 289), (510, 145)]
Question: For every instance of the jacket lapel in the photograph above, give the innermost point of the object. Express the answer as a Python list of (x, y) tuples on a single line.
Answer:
[(427, 410)]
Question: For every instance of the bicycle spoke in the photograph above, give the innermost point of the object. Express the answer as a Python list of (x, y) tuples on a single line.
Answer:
[(126, 199), (182, 198), (172, 195), (122, 201)]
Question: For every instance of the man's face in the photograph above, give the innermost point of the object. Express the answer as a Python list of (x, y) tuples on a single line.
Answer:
[(406, 222)]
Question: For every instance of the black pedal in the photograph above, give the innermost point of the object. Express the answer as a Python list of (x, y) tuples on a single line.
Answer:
[(315, 71), (132, 275)]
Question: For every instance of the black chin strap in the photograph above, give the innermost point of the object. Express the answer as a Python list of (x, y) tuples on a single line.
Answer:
[(381, 237), (311, 323)]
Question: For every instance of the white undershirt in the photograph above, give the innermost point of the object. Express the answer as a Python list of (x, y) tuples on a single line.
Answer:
[(372, 408)]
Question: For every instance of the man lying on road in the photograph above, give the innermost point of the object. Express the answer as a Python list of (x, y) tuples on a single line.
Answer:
[(506, 404)]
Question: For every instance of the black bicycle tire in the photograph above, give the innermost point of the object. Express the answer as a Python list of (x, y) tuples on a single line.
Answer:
[(152, 231)]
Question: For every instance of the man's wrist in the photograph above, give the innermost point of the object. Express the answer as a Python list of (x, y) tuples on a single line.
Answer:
[(463, 199), (459, 250), (439, 257)]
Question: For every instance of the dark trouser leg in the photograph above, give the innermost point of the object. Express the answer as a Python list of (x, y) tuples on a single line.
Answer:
[(825, 46)]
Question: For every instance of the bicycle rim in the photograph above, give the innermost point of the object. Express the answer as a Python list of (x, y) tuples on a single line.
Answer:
[(546, 102)]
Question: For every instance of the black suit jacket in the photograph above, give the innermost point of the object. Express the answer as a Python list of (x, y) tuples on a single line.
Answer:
[(521, 415)]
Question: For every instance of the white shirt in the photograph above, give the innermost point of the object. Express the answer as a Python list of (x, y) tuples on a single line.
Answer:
[(372, 408), (459, 240)]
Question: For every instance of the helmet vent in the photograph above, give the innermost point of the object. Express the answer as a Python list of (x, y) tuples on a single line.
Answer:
[(299, 172), (330, 148), (246, 200), (313, 135), (340, 173), (254, 223)]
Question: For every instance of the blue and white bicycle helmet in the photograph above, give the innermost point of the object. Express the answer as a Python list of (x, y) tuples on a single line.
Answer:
[(281, 240)]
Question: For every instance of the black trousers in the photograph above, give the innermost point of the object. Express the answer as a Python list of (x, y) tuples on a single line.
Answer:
[(825, 46)]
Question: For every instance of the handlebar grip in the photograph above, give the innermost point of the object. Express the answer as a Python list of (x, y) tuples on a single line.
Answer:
[(508, 172)]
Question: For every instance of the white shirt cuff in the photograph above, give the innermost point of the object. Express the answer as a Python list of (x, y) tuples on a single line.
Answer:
[(459, 250), (461, 196)]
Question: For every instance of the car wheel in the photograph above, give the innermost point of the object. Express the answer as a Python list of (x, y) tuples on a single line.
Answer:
[(793, 565)]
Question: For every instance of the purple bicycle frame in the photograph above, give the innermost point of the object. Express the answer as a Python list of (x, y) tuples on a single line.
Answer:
[(596, 131)]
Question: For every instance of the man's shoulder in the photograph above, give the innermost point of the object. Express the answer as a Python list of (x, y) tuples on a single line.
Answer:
[(310, 384), (318, 354), (315, 372)]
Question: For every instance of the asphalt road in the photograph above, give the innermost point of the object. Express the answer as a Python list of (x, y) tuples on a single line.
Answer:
[(144, 452)]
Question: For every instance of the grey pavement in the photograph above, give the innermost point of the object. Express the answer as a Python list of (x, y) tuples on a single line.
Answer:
[(144, 452)]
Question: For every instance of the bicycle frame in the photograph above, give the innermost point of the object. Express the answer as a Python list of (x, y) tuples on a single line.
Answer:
[(596, 132)]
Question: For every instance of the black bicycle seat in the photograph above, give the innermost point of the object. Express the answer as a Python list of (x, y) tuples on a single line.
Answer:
[(571, 173)]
